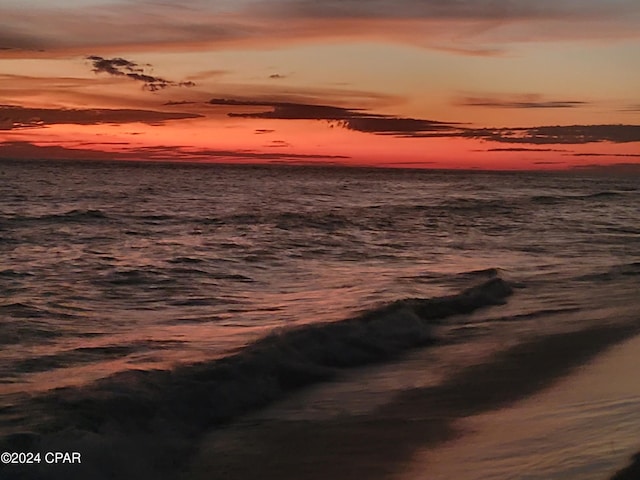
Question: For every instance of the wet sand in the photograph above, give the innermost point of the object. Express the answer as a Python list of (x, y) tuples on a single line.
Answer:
[(382, 444), (584, 427)]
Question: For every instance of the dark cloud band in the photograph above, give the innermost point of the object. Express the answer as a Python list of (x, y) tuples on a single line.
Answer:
[(362, 121), (352, 119), (29, 150), (16, 117)]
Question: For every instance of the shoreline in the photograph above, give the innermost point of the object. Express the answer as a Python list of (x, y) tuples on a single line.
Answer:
[(381, 444), (583, 427), (630, 472)]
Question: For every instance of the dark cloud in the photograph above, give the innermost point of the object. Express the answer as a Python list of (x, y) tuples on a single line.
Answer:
[(383, 125), (182, 102), (16, 117), (522, 149), (277, 76), (363, 121), (603, 154), (114, 66), (121, 67), (527, 101), (549, 163), (278, 144), (263, 131), (288, 110), (552, 135), (31, 151), (93, 144), (28, 150), (352, 119)]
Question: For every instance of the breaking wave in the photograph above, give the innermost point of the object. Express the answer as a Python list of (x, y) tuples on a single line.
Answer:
[(194, 397), (159, 414)]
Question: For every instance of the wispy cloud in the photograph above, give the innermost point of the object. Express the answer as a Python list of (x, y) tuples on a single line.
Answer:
[(278, 144), (179, 102), (587, 154), (522, 149), (468, 27), (79, 92), (469, 50), (120, 67), (448, 10), (17, 117), (518, 101)]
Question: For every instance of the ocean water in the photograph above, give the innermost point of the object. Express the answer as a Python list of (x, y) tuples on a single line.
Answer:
[(135, 297)]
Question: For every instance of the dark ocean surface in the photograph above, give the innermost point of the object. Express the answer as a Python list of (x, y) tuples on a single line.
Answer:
[(137, 297)]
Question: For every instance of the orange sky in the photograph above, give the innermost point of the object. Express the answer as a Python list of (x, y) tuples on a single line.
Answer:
[(507, 84)]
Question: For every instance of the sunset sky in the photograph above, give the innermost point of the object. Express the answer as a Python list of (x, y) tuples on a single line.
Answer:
[(497, 84)]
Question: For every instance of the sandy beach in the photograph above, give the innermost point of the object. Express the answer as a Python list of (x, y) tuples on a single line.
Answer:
[(391, 441)]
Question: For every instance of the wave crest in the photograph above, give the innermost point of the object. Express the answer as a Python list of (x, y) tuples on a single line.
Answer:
[(207, 393)]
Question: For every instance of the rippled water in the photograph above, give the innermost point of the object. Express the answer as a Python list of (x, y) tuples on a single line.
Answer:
[(108, 267)]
